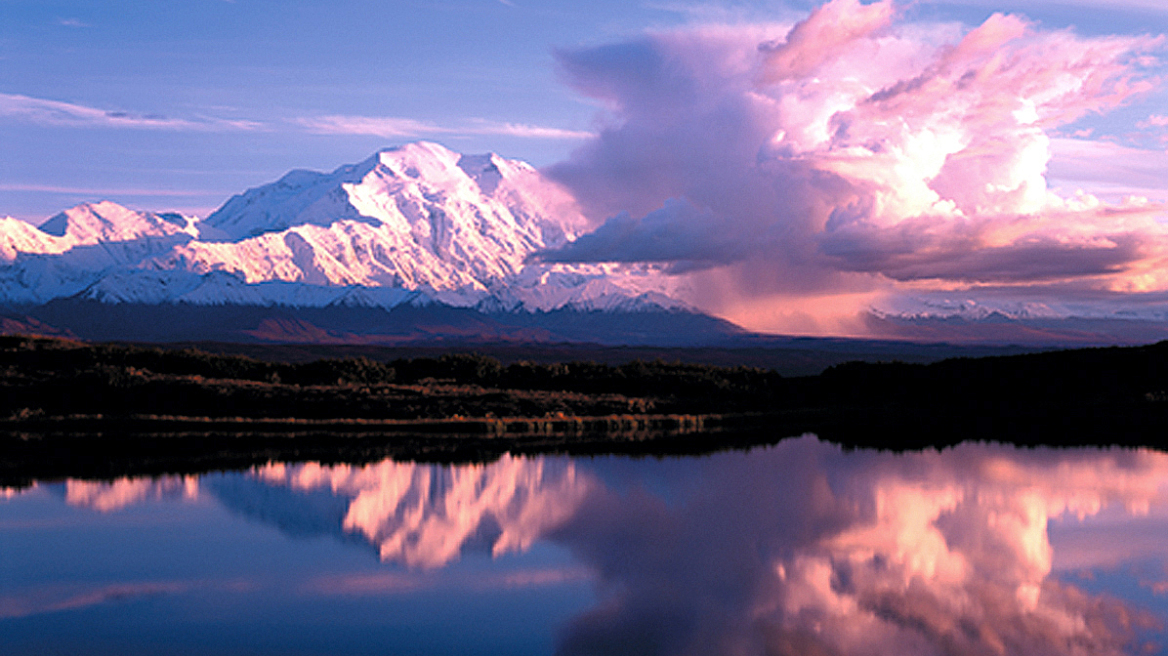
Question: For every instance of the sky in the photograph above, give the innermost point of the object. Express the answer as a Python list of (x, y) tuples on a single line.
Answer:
[(794, 161)]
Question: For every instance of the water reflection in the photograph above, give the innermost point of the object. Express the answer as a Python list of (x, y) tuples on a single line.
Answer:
[(804, 549), (112, 496), (10, 492), (425, 515), (799, 549)]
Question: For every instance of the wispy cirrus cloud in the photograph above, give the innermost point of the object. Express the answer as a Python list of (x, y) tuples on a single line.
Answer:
[(522, 130), (393, 126), (1155, 6), (55, 113), (1109, 169), (105, 191), (375, 126)]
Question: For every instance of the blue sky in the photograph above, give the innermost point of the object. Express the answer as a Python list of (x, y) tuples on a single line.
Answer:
[(470, 67), (177, 105)]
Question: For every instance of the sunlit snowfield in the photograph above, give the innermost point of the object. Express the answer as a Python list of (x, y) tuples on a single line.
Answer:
[(800, 548)]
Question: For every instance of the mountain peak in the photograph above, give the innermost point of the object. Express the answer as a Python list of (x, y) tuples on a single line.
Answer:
[(420, 156), (392, 184), (437, 165), (92, 223)]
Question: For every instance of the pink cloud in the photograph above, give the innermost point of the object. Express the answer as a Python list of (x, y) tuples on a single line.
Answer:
[(392, 126), (1153, 121), (379, 126), (854, 152), (828, 31)]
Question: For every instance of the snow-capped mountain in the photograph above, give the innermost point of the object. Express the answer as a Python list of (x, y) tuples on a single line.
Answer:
[(419, 216), (443, 240), (78, 247), (418, 223), (93, 225)]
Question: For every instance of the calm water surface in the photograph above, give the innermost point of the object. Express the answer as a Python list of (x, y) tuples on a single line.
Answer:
[(798, 549)]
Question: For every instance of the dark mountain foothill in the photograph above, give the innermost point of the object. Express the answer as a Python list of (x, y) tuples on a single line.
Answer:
[(351, 324)]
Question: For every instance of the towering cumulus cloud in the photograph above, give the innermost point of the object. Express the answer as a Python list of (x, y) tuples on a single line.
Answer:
[(856, 153)]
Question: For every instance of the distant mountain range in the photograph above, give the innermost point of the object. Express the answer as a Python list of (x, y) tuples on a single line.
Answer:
[(415, 244)]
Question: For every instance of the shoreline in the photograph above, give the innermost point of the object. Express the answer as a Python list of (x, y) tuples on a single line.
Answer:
[(106, 447), (117, 447), (451, 426)]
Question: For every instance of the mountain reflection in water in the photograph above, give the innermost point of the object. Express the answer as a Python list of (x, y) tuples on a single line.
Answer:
[(798, 549), (424, 515)]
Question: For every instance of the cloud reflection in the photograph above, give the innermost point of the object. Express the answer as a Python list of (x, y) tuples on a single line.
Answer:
[(804, 549), (388, 583), (51, 601)]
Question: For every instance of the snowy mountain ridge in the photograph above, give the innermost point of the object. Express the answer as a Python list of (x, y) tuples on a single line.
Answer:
[(415, 224)]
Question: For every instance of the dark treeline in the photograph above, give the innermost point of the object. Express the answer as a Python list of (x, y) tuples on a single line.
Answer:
[(56, 377), (1097, 396), (636, 377)]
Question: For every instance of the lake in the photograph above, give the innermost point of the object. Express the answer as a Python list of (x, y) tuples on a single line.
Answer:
[(800, 548)]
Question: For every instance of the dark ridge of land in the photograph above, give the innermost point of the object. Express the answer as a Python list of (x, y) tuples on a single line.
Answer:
[(409, 325), (340, 323), (70, 408), (789, 356)]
